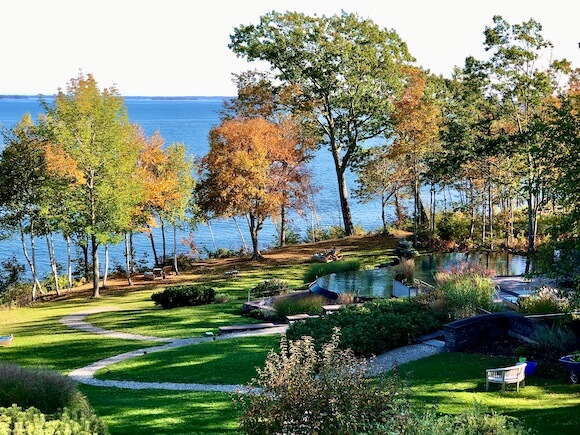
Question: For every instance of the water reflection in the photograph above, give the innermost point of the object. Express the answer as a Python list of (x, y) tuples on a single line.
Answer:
[(504, 264), (377, 283)]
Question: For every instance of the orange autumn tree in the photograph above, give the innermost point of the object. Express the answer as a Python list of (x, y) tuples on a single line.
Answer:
[(416, 119), (244, 172)]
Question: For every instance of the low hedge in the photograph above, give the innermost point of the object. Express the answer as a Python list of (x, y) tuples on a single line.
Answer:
[(184, 296), (371, 329)]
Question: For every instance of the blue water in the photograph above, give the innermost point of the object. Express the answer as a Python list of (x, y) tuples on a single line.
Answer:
[(189, 121)]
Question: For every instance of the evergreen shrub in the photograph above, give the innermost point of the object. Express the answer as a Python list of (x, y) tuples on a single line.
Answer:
[(371, 329), (184, 296)]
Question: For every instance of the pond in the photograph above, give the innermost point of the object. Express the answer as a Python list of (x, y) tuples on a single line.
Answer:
[(378, 283), (504, 264)]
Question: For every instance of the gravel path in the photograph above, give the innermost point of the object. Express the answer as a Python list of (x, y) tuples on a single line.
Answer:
[(86, 375)]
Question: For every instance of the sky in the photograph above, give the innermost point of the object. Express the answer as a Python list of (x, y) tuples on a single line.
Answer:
[(180, 47)]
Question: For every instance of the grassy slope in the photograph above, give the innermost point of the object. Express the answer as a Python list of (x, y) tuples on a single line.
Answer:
[(454, 381)]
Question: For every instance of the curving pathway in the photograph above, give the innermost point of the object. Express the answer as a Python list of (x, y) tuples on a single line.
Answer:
[(86, 375)]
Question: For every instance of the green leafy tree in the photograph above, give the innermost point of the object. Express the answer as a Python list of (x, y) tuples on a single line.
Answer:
[(92, 128), (523, 84), (22, 185), (348, 73)]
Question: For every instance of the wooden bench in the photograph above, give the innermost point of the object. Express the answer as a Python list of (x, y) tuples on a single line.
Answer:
[(6, 340), (506, 375), (156, 273), (329, 309), (231, 273), (246, 327), (296, 317)]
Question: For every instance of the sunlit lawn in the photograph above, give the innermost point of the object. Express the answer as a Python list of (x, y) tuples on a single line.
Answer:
[(456, 381), (231, 361)]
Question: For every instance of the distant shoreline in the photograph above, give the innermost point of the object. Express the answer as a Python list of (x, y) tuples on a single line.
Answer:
[(132, 97)]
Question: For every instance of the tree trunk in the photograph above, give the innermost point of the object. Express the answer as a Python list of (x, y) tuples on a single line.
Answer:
[(132, 251), (255, 227), (282, 238), (344, 205), (95, 257), (490, 211), (175, 249), (383, 214), (212, 236), (106, 268), (240, 233), (128, 259), (52, 259), (155, 258), (68, 265), (163, 240), (30, 260)]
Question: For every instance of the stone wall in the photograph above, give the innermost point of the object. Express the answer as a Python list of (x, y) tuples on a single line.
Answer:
[(461, 333)]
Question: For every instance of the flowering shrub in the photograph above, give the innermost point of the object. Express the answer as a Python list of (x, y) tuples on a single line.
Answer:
[(545, 300), (303, 391)]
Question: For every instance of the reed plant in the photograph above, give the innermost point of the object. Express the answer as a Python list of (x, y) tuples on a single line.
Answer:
[(320, 269)]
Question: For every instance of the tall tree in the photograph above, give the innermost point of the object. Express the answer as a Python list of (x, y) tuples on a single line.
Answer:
[(416, 119), (258, 97), (92, 127), (243, 172), (346, 67)]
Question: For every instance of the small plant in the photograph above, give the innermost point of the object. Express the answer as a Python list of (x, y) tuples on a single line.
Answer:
[(405, 250), (554, 339), (575, 356), (405, 271), (183, 296), (221, 298), (346, 298), (545, 301), (298, 305), (268, 288)]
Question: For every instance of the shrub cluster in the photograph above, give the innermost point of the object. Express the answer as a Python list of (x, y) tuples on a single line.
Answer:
[(370, 329), (184, 296), (301, 390), (320, 269), (15, 420), (464, 289), (268, 288)]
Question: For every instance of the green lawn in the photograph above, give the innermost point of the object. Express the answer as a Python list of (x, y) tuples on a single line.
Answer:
[(455, 381), (215, 362)]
